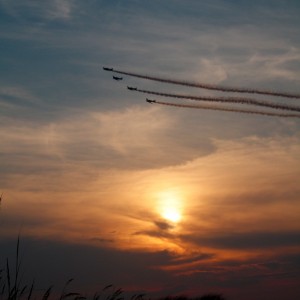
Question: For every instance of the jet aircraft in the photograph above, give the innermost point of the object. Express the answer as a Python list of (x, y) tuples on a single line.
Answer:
[(107, 69), (117, 78), (150, 101), (131, 88)]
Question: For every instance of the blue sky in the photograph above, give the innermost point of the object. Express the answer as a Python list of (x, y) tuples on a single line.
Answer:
[(88, 166)]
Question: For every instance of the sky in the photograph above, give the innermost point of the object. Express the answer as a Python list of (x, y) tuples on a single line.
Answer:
[(106, 188)]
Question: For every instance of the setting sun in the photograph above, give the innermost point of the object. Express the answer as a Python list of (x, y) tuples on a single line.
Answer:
[(170, 206), (171, 214)]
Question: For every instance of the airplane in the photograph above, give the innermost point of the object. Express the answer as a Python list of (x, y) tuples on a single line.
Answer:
[(150, 101), (117, 78), (107, 69), (131, 88)]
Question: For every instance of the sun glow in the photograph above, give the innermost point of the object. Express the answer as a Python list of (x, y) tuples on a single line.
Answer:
[(171, 214), (170, 207)]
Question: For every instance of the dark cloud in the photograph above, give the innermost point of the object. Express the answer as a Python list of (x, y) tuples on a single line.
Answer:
[(247, 240), (162, 230), (256, 277), (50, 262), (94, 267), (260, 196), (194, 259), (102, 240), (155, 233), (163, 225)]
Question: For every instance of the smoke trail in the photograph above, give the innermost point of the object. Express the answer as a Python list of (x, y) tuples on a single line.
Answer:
[(238, 100), (246, 111), (210, 86)]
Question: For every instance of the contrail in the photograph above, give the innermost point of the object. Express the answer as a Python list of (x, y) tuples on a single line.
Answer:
[(238, 100), (246, 111), (210, 86)]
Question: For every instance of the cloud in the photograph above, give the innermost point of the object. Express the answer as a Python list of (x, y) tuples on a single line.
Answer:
[(163, 225), (101, 240), (91, 267), (163, 230), (155, 233), (282, 65), (248, 240), (243, 56), (62, 9), (57, 9), (17, 93), (134, 138), (134, 129)]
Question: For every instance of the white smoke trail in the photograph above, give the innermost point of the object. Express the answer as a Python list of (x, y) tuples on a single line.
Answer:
[(211, 86), (247, 111), (238, 100)]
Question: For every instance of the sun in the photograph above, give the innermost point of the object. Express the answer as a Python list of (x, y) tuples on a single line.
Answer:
[(171, 214), (170, 206)]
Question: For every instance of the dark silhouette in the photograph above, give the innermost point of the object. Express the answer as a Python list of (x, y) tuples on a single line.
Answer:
[(212, 297), (131, 88), (150, 101), (117, 78), (204, 297)]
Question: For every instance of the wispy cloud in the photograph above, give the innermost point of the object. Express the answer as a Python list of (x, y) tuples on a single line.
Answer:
[(249, 240), (57, 9), (134, 129), (282, 65), (16, 92)]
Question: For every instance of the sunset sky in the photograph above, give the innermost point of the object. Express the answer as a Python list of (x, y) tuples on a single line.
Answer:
[(106, 188)]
